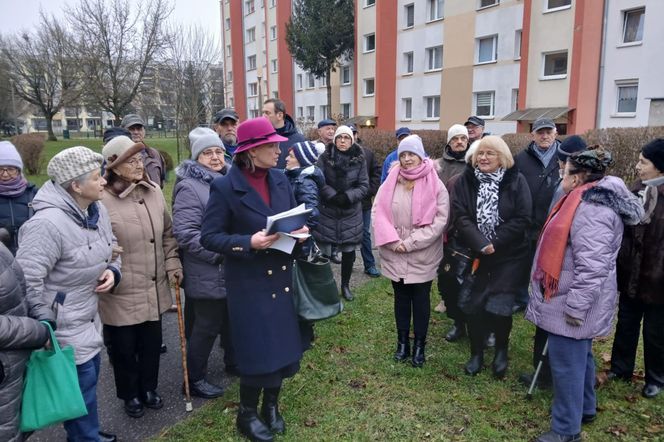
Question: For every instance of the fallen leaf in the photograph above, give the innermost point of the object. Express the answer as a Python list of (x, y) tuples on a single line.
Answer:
[(617, 430), (606, 357), (631, 398), (339, 349), (310, 422), (357, 383), (601, 378), (655, 429)]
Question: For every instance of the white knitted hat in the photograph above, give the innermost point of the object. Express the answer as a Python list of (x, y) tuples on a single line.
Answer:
[(344, 130), (9, 156), (201, 138), (456, 129), (72, 163)]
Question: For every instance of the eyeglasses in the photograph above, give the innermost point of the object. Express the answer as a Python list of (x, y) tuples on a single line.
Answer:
[(135, 161), (344, 137), (11, 171), (488, 154), (209, 153)]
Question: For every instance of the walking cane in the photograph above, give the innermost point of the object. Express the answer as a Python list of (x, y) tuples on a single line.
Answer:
[(183, 347), (529, 395)]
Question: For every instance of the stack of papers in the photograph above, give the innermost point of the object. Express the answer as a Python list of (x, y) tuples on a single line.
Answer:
[(285, 222)]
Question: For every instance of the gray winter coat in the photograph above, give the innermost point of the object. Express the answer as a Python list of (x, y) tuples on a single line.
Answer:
[(18, 335), (63, 250), (587, 288), (203, 270)]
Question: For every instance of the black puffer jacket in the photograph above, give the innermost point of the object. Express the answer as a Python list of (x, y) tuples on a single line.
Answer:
[(306, 183), (373, 171), (14, 211), (288, 130), (18, 335), (345, 173)]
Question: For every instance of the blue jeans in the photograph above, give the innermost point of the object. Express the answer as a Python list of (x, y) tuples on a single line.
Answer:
[(86, 428), (365, 250), (573, 373)]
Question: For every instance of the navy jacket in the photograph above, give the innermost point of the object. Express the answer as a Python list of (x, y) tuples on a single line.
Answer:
[(289, 131), (14, 211), (259, 290), (306, 183)]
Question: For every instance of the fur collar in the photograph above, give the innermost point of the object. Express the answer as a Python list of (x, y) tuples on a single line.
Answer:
[(611, 192), (195, 170), (354, 154)]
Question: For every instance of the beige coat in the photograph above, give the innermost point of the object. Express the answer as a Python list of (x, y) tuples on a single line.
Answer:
[(142, 225)]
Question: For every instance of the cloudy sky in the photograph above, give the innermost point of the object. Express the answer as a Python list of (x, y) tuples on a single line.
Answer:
[(24, 14)]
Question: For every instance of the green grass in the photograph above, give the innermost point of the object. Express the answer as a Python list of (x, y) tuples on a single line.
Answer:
[(350, 389)]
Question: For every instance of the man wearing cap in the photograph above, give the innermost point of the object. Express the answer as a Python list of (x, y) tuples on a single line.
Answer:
[(393, 156), (113, 132), (275, 111), (453, 160), (326, 130), (224, 124), (152, 160), (475, 126)]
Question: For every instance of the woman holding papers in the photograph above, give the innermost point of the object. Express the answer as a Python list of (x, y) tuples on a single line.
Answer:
[(264, 325), (409, 215)]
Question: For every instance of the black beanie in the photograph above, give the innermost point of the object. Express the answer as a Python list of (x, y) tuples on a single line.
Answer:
[(654, 151), (569, 146)]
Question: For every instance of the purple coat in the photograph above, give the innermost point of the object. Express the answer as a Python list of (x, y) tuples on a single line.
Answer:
[(587, 288)]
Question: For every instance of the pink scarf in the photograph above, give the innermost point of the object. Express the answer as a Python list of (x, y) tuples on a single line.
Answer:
[(424, 201)]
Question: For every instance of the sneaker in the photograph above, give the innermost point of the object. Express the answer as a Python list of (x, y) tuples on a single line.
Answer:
[(372, 271)]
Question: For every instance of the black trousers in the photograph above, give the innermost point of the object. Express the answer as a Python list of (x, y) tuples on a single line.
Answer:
[(135, 357), (412, 299), (630, 313), (449, 292), (210, 320)]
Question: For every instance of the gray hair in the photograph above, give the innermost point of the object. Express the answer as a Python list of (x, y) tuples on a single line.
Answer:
[(79, 180)]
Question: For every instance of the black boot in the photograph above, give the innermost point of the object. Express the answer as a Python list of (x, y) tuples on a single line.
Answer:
[(270, 411), (403, 346), (457, 331), (418, 351), (248, 423), (476, 333), (502, 325), (347, 261)]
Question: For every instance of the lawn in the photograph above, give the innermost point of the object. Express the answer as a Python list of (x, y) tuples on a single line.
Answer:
[(350, 389)]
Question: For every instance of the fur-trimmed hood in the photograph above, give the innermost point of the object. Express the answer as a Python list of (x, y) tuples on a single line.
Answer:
[(354, 155), (194, 169), (612, 192)]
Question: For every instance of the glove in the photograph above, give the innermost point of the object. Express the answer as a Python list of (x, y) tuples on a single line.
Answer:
[(174, 276), (574, 322), (340, 200)]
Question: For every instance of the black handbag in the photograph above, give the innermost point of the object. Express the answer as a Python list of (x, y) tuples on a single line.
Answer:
[(316, 295), (457, 262), (473, 293)]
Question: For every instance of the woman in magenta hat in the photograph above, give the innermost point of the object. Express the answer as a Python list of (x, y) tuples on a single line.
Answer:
[(263, 321)]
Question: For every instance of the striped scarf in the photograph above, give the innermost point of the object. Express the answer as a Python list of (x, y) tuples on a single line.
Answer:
[(487, 201)]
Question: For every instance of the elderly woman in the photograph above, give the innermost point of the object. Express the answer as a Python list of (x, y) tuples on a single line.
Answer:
[(203, 283), (641, 278), (66, 251), (264, 326), (573, 284), (491, 209), (410, 213), (346, 185), (132, 313), (16, 193)]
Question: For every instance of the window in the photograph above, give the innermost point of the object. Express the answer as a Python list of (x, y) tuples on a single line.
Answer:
[(409, 14), (407, 108), (323, 112), (228, 51), (311, 112), (274, 65), (487, 3), (228, 23), (434, 58), (484, 102), (487, 49), (517, 44), (627, 95), (300, 112), (433, 107), (253, 89), (275, 94), (368, 3), (273, 32), (369, 42), (555, 65), (229, 76), (231, 102), (345, 75), (298, 82), (251, 35), (555, 5), (345, 110), (515, 100), (249, 7), (251, 62), (311, 81), (633, 25), (254, 113), (368, 87), (408, 62), (273, 3), (322, 81), (435, 9)]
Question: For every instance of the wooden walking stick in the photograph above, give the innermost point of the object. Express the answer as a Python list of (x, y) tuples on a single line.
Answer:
[(183, 347)]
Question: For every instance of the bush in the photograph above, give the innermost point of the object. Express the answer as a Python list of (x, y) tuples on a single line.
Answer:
[(168, 160), (30, 147)]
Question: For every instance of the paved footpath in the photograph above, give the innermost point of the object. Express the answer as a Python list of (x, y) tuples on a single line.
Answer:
[(111, 412)]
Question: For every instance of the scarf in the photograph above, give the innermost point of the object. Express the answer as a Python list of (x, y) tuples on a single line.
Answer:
[(487, 201), (553, 240), (424, 200), (14, 187), (545, 155), (649, 198)]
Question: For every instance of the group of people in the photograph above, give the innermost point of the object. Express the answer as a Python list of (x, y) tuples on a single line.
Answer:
[(97, 245)]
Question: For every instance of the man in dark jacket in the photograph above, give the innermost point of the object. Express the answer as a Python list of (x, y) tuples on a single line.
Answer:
[(475, 126), (225, 124), (326, 130), (152, 160), (275, 111)]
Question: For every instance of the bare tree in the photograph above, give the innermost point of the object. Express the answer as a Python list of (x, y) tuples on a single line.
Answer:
[(116, 46), (43, 69)]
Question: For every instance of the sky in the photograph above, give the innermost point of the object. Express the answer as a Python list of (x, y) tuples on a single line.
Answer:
[(24, 14)]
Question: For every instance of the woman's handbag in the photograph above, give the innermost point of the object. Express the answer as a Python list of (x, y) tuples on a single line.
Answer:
[(457, 263), (472, 296), (316, 294), (51, 392)]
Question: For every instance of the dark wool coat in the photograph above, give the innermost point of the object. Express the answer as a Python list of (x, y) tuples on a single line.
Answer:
[(202, 269), (289, 131), (542, 182), (373, 171), (641, 257), (344, 172), (447, 166), (504, 270), (306, 183), (14, 211), (259, 289), (19, 334)]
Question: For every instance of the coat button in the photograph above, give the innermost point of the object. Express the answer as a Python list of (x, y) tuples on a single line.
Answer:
[(283, 267), (269, 272), (286, 290), (274, 296), (152, 240), (154, 278)]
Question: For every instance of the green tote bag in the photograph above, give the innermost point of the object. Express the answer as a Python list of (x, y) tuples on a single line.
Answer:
[(51, 393)]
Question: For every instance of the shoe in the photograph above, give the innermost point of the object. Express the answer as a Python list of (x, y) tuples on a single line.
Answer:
[(588, 418), (134, 408), (372, 271), (613, 376), (499, 364), (403, 346), (527, 379), (152, 400), (418, 352), (250, 426), (346, 293), (474, 364), (163, 349), (650, 391), (173, 308), (440, 308), (457, 332), (490, 340), (270, 412), (552, 436), (107, 437), (204, 389)]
